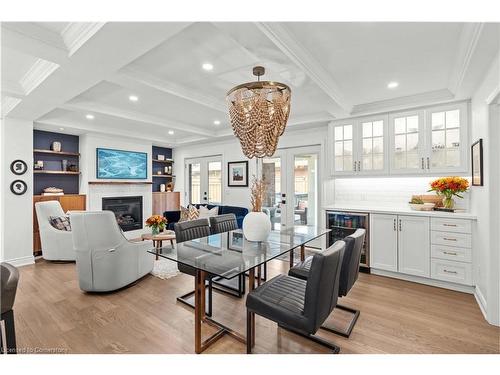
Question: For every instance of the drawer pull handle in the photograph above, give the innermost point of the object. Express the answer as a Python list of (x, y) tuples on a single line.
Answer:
[(450, 225), (454, 272), (449, 239), (449, 253)]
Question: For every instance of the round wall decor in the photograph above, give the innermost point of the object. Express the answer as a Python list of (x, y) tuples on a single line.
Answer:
[(18, 187), (18, 167)]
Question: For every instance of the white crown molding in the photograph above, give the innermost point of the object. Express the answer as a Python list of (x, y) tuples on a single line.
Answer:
[(403, 102), (133, 78), (94, 107), (76, 34), (38, 72), (8, 104), (469, 38), (12, 88), (281, 37)]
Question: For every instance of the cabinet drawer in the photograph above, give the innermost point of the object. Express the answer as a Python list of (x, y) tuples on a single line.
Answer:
[(451, 239), (455, 272), (460, 254), (451, 225)]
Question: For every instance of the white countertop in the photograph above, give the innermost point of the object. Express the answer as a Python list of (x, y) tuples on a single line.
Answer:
[(406, 210)]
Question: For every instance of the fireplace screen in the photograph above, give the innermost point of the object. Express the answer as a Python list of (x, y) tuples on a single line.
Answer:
[(127, 210)]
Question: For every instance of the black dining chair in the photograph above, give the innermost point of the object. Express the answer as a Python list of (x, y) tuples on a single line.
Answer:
[(297, 305), (348, 275), (186, 231), (9, 278), (221, 224)]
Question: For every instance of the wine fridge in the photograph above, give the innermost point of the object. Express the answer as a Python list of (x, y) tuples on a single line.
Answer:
[(343, 224)]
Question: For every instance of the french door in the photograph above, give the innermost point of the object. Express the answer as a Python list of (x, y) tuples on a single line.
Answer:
[(204, 180), (292, 196)]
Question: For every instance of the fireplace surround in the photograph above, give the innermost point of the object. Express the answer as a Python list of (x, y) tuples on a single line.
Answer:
[(127, 210)]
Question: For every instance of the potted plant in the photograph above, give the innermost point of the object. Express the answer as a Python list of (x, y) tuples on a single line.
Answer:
[(156, 223), (449, 187), (256, 224)]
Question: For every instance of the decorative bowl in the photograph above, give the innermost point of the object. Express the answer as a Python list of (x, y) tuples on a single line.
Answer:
[(417, 206)]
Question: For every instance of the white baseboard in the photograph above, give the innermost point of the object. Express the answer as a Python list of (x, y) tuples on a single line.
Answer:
[(423, 280), (481, 301), (23, 261)]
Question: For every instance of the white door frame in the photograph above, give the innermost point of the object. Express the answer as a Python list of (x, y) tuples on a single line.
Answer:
[(203, 161)]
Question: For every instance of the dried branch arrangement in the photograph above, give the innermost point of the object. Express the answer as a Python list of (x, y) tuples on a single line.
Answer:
[(257, 194)]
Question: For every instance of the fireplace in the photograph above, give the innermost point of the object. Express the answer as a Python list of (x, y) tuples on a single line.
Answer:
[(128, 211)]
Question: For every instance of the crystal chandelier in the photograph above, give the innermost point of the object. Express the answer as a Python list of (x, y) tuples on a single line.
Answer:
[(259, 112)]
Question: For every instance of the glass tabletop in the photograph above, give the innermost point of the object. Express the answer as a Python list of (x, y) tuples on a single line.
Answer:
[(229, 254)]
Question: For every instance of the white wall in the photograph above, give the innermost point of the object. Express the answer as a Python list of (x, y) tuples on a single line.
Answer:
[(17, 211), (88, 145), (485, 249)]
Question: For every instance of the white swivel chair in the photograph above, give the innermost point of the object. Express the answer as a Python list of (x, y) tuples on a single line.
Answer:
[(105, 259), (56, 244)]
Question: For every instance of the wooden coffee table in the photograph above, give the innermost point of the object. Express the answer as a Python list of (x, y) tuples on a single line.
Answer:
[(168, 235)]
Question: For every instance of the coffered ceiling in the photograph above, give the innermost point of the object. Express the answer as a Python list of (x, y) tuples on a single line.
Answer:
[(81, 77)]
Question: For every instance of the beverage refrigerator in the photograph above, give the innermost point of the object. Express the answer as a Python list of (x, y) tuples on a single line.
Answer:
[(343, 224)]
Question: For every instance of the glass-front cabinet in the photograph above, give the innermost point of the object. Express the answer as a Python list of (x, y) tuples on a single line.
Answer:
[(423, 141)]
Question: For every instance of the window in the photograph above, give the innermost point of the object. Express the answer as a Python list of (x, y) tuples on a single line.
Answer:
[(445, 138), (215, 182), (406, 148), (373, 145), (343, 148)]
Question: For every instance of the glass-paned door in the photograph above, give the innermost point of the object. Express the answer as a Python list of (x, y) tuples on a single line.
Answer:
[(343, 148), (305, 185), (204, 180), (272, 175), (372, 146), (407, 142), (445, 139)]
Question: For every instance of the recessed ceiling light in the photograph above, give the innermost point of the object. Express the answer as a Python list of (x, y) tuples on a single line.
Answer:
[(133, 98), (171, 132), (392, 85), (216, 122), (61, 128), (207, 66), (89, 117)]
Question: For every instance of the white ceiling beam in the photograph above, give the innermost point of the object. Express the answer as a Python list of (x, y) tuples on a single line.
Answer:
[(94, 62), (469, 38), (134, 79), (12, 88), (35, 41), (95, 107), (299, 55)]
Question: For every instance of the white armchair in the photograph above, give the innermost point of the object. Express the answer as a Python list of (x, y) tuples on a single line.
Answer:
[(105, 259), (56, 244)]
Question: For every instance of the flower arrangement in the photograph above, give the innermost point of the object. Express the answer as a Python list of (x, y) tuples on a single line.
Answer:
[(449, 187), (156, 223)]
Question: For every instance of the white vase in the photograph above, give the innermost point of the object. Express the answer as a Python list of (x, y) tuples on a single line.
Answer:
[(256, 226)]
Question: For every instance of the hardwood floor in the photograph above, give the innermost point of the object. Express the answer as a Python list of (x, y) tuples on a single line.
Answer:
[(53, 315)]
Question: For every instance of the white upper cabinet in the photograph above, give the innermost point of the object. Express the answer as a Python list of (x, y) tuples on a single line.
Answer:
[(447, 146), (407, 142), (432, 140)]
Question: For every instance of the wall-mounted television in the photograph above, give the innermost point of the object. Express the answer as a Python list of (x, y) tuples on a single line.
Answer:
[(121, 164)]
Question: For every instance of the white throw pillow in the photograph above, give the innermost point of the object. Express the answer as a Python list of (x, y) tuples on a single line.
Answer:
[(205, 213)]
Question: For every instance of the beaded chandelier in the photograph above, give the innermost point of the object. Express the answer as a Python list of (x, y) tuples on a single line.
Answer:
[(259, 113)]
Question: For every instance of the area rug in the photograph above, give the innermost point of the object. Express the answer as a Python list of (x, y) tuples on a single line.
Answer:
[(164, 269)]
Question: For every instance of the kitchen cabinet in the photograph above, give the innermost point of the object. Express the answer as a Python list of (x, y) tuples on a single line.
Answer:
[(384, 242), (432, 140), (400, 244)]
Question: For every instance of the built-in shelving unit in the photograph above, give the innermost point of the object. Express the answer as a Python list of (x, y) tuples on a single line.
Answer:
[(161, 166), (53, 174)]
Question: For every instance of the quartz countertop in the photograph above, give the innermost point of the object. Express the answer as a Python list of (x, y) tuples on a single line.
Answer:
[(403, 210)]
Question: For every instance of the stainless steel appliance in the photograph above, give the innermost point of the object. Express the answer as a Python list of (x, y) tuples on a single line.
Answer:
[(343, 224)]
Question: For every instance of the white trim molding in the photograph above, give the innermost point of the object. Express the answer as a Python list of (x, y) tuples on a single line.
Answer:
[(38, 72), (481, 301), (76, 34), (23, 261)]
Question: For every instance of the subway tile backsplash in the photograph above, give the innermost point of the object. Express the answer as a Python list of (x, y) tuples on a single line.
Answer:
[(394, 191)]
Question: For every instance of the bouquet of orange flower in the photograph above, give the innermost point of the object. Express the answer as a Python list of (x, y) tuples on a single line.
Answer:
[(156, 223), (448, 187)]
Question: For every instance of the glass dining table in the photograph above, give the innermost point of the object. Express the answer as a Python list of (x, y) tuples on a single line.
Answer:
[(228, 255)]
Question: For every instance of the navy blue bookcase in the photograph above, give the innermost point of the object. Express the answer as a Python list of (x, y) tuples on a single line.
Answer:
[(159, 167), (52, 173)]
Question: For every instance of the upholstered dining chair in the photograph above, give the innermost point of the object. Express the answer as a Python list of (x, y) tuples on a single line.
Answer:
[(221, 224), (300, 306), (9, 276), (56, 244), (348, 275), (186, 231)]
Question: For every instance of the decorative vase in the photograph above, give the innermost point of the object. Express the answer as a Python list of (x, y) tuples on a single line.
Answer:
[(155, 230), (448, 202), (56, 146), (256, 226)]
